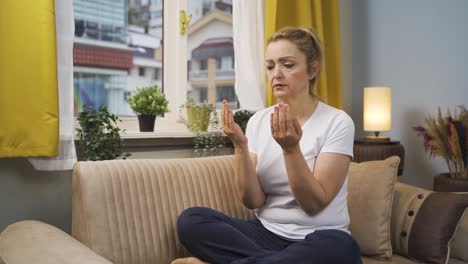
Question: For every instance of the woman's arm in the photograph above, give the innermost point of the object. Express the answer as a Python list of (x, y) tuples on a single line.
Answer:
[(313, 190), (250, 189)]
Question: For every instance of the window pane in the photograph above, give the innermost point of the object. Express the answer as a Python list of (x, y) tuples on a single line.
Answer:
[(117, 49), (210, 52)]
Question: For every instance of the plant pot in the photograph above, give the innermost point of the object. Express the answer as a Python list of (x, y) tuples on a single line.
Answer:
[(146, 122), (442, 183), (198, 119)]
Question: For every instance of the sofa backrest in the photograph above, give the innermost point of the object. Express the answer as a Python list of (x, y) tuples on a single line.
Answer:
[(126, 210)]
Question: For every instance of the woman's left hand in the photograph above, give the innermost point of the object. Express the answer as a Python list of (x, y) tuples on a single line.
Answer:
[(285, 128)]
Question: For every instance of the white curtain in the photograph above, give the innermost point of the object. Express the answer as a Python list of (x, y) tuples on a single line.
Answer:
[(65, 31), (248, 37)]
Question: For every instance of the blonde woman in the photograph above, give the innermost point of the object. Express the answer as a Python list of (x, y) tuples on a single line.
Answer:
[(291, 167)]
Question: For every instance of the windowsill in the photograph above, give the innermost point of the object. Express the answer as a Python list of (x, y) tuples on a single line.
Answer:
[(168, 135), (157, 134)]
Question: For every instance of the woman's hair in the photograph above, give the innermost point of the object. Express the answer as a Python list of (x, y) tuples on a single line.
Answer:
[(306, 41)]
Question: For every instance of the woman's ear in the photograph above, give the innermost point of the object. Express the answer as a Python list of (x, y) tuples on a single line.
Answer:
[(314, 69)]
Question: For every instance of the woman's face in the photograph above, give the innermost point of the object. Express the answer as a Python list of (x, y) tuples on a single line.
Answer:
[(286, 69)]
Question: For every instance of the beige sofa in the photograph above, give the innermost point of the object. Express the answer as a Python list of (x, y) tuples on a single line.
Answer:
[(125, 212)]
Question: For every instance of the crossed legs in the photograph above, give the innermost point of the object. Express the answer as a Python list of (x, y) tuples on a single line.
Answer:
[(219, 239)]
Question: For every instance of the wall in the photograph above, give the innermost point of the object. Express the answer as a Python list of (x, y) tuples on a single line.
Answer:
[(26, 194), (418, 48)]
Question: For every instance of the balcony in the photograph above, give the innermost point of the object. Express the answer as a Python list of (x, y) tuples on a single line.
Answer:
[(198, 75), (223, 74)]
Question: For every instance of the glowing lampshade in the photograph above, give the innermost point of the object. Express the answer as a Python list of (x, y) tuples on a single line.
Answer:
[(377, 111)]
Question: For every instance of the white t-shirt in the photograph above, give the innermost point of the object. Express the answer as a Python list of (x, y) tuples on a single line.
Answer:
[(327, 130)]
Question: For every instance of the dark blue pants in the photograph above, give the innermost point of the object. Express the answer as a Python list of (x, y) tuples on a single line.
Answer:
[(219, 239)]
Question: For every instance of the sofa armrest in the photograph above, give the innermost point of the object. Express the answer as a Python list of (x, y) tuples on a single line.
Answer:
[(40, 243), (445, 214)]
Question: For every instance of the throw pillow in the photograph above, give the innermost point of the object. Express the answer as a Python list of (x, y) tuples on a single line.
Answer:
[(370, 197), (460, 239), (425, 225)]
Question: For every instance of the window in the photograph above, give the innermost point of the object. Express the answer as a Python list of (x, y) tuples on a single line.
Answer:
[(203, 65), (126, 95), (209, 48), (121, 45), (113, 53), (141, 71), (226, 93), (206, 6), (219, 63), (156, 14), (157, 74)]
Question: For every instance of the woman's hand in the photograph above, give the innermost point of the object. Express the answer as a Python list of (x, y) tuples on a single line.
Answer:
[(231, 128), (285, 129)]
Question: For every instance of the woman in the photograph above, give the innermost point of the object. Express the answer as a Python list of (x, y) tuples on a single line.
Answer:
[(291, 168)]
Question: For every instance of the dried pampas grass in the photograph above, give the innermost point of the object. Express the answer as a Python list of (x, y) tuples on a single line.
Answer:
[(447, 137)]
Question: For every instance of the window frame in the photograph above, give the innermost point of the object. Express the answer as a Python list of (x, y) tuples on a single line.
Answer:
[(174, 79)]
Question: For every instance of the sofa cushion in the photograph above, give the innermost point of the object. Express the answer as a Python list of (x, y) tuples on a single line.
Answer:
[(1, 260), (370, 196), (460, 239), (396, 259), (425, 222)]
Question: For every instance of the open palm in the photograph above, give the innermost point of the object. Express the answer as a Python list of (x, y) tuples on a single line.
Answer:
[(232, 130)]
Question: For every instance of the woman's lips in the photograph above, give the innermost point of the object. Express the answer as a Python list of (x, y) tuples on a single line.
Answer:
[(279, 86)]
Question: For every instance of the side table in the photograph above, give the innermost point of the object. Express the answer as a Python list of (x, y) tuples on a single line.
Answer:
[(374, 150)]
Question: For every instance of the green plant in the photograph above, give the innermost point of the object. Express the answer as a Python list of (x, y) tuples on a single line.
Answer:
[(202, 119), (209, 143), (148, 101), (99, 135), (242, 117), (198, 115), (447, 137)]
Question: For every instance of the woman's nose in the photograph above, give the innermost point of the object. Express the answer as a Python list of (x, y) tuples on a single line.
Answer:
[(277, 73)]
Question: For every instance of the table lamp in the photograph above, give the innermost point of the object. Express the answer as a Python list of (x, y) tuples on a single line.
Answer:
[(377, 112)]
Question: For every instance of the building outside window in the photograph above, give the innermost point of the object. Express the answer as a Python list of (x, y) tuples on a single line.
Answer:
[(107, 50), (118, 48), (210, 46)]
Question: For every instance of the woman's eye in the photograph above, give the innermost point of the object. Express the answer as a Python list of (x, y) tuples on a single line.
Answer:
[(289, 65), (269, 67)]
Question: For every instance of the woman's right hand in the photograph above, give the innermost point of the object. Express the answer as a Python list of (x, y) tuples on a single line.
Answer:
[(231, 128)]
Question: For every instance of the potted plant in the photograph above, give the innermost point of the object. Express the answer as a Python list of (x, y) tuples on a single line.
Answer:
[(209, 142), (198, 115), (241, 117), (447, 137), (202, 119), (147, 103), (98, 135)]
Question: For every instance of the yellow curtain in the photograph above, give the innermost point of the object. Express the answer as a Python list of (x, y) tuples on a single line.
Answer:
[(323, 16), (29, 113)]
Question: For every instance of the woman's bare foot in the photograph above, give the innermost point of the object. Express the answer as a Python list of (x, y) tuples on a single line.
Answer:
[(190, 260)]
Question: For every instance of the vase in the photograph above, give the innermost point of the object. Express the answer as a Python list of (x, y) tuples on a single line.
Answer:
[(146, 122), (198, 119), (443, 183)]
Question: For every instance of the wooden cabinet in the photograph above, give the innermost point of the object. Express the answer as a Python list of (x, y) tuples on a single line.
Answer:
[(370, 150)]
